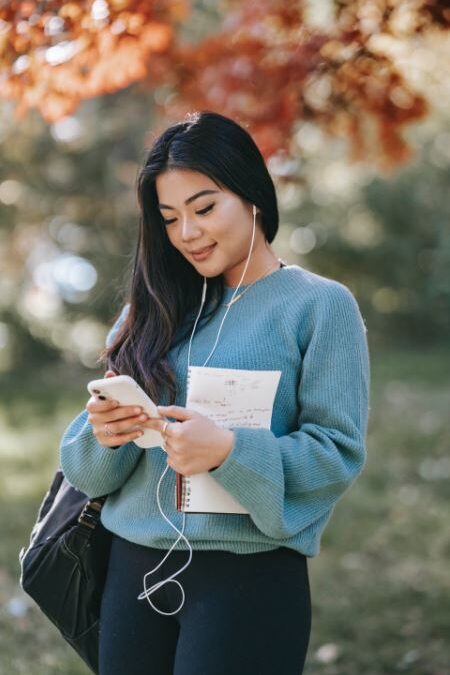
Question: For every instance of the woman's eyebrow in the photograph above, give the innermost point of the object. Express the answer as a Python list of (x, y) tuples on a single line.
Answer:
[(190, 199)]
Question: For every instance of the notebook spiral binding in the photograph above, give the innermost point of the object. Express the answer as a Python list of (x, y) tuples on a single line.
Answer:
[(183, 483), (199, 493), (185, 492)]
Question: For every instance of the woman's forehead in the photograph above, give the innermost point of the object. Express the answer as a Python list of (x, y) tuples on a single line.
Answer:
[(181, 184)]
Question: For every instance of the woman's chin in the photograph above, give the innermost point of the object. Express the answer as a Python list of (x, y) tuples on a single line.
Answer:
[(209, 267)]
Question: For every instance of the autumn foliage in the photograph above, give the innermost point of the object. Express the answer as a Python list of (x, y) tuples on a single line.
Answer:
[(266, 65)]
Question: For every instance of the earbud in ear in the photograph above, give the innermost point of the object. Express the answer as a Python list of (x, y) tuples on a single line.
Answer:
[(254, 210)]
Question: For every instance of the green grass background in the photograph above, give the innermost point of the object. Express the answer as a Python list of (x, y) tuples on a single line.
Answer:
[(381, 584)]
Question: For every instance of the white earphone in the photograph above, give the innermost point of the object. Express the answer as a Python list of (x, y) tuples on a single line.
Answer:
[(148, 591), (204, 278)]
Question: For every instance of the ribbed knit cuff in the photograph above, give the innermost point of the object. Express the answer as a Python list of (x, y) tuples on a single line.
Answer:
[(93, 468), (246, 472)]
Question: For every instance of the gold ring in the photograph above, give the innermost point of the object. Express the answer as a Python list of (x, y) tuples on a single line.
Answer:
[(163, 430)]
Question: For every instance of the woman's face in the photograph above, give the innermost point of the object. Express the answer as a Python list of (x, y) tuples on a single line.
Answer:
[(198, 214)]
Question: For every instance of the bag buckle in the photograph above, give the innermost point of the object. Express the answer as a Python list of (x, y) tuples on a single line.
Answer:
[(90, 513)]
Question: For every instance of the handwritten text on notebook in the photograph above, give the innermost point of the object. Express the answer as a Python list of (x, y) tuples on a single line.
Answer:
[(231, 397)]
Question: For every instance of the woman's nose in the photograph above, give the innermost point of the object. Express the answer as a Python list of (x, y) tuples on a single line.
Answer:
[(189, 230)]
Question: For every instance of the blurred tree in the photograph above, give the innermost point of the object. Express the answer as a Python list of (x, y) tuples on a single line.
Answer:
[(68, 226), (388, 240), (54, 54), (67, 204), (268, 65)]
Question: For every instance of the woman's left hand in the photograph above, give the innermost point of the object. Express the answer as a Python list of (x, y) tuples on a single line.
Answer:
[(194, 443)]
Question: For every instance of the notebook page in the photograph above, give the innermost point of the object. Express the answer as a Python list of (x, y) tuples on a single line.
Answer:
[(231, 398)]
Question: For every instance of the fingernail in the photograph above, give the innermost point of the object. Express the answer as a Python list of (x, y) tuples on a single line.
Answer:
[(137, 410)]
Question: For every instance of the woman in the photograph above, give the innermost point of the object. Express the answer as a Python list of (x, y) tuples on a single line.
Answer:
[(208, 218)]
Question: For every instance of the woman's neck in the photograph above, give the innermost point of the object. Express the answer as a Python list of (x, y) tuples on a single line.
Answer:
[(258, 267)]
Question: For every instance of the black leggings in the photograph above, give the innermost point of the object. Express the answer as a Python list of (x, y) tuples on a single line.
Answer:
[(243, 614)]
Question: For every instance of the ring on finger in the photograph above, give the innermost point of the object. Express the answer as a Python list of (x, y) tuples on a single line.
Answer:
[(164, 429), (108, 431)]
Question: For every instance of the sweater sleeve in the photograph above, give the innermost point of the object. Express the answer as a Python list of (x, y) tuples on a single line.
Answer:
[(288, 483), (89, 466), (115, 328)]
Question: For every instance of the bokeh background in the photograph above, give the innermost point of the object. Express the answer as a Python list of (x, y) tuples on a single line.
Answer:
[(349, 103)]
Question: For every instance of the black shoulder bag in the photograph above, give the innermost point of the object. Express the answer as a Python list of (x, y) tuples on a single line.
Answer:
[(64, 567)]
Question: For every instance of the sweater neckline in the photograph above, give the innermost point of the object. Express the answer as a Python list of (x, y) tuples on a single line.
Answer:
[(229, 290)]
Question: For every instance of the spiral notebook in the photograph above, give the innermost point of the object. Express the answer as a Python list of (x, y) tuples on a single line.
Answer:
[(231, 398)]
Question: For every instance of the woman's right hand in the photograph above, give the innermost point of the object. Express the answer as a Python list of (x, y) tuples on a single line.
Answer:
[(119, 418)]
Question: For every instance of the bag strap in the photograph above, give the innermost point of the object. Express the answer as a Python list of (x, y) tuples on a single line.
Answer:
[(90, 515)]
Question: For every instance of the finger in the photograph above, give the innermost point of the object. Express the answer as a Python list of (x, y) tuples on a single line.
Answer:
[(110, 373), (172, 430), (176, 411), (156, 424), (117, 439), (120, 412), (122, 426), (96, 405), (126, 421)]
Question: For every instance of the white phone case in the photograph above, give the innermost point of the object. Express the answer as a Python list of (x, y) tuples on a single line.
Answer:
[(124, 389)]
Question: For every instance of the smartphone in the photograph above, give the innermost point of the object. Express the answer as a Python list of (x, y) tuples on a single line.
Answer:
[(124, 389)]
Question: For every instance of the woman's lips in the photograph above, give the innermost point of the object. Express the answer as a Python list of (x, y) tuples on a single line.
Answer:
[(204, 254)]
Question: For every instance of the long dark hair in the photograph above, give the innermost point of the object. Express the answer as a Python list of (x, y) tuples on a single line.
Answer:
[(165, 289)]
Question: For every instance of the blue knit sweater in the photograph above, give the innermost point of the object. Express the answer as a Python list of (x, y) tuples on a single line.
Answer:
[(288, 477)]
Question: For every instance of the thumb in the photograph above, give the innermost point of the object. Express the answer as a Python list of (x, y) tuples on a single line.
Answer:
[(110, 373), (176, 411)]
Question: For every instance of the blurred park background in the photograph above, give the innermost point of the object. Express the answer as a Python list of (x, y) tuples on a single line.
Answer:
[(350, 104)]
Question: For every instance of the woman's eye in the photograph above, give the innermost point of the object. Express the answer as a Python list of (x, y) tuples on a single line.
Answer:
[(207, 209), (202, 212)]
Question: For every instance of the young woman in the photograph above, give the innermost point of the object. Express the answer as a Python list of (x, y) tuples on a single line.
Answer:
[(208, 290)]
